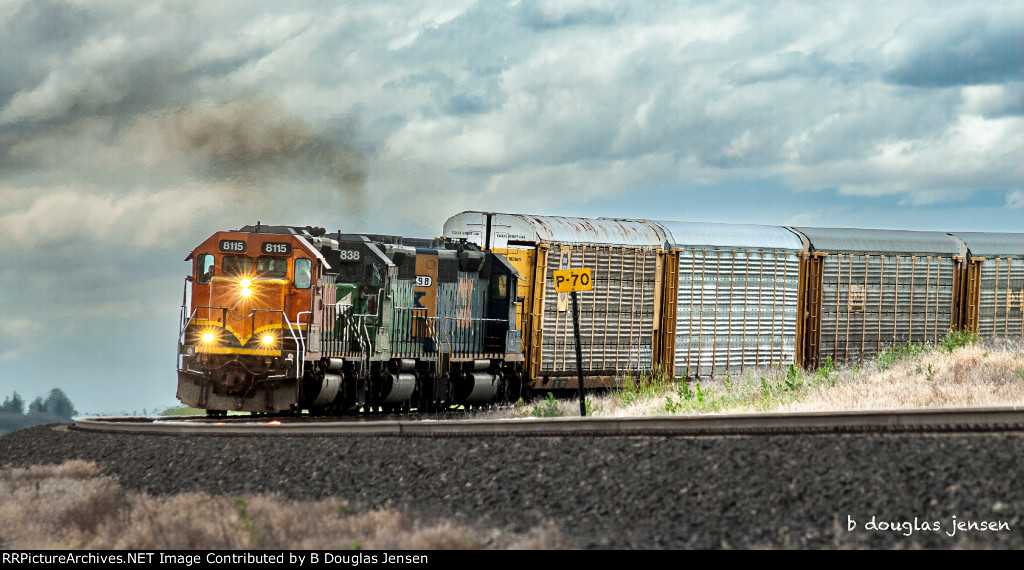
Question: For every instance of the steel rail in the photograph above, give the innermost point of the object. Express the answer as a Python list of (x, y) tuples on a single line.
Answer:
[(947, 420)]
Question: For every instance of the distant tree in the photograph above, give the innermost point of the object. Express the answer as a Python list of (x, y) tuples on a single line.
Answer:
[(36, 407), (13, 405), (58, 404)]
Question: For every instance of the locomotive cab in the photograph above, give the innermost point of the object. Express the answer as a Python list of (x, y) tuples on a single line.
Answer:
[(242, 339)]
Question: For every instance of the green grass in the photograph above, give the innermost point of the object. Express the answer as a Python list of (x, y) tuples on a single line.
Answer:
[(653, 384), (750, 391), (953, 340), (182, 411)]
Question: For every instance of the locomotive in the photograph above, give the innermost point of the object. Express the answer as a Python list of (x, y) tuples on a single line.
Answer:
[(285, 318), (281, 319)]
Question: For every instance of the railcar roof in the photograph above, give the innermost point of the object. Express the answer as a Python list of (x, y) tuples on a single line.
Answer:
[(857, 240), (992, 244), (563, 229), (722, 236)]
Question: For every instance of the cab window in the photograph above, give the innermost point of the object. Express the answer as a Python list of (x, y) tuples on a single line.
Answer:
[(499, 287), (236, 265), (272, 266), (204, 268), (303, 273)]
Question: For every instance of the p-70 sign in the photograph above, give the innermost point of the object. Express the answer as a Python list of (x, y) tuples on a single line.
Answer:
[(569, 280)]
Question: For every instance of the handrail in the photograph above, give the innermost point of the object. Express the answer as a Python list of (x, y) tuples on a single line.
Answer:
[(300, 345)]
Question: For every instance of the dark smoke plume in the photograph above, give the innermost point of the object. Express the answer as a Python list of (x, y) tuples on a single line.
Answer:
[(254, 143)]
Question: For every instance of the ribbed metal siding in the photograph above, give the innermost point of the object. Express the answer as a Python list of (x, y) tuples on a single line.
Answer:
[(736, 309), (460, 313), (871, 302), (1001, 297), (616, 317)]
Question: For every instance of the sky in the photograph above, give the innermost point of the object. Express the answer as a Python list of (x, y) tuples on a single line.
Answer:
[(130, 131)]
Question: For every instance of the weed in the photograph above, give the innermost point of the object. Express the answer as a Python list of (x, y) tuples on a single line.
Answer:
[(886, 359), (344, 510), (793, 379), (247, 525), (827, 372), (955, 339), (650, 385), (548, 408), (1019, 372), (696, 399)]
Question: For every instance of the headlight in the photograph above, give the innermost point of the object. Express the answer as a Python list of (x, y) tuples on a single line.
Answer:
[(208, 337), (246, 286), (268, 339)]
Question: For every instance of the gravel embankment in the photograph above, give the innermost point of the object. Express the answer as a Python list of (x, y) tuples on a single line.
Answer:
[(615, 492)]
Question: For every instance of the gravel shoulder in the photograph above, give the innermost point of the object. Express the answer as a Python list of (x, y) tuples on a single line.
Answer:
[(612, 492)]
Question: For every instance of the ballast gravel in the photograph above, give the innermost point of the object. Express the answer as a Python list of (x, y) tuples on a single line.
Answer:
[(792, 491)]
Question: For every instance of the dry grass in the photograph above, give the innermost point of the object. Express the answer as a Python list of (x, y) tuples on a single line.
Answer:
[(986, 373), (983, 374), (72, 506)]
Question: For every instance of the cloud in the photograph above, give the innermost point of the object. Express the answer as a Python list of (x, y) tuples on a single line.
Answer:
[(18, 336), (962, 46)]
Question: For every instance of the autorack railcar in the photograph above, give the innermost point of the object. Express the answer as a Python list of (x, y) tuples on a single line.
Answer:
[(724, 297)]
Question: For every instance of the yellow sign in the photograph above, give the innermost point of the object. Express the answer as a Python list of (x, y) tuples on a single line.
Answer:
[(572, 280)]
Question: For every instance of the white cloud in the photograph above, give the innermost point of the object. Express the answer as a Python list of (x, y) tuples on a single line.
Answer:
[(137, 220), (19, 336)]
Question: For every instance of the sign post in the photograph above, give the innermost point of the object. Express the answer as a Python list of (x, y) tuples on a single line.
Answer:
[(571, 281)]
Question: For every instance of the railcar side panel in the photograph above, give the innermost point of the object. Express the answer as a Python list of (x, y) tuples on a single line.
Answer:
[(736, 309), (870, 303), (1001, 297), (616, 317)]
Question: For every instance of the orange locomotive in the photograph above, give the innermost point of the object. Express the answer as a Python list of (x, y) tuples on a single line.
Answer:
[(252, 291)]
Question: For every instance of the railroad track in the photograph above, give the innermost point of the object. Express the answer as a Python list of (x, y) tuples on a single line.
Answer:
[(951, 420)]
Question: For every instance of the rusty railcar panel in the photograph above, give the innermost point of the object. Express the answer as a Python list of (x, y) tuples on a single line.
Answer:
[(809, 328), (616, 317), (870, 303), (665, 338), (735, 309)]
